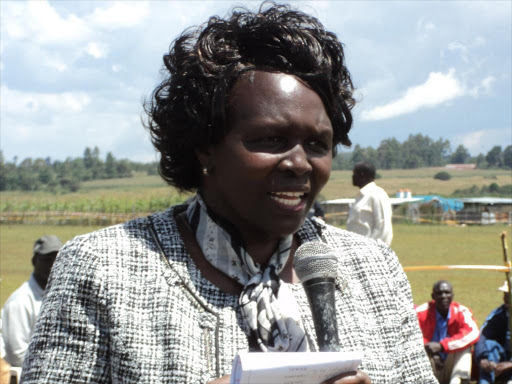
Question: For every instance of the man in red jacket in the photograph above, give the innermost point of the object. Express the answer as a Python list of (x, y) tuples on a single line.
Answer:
[(449, 330)]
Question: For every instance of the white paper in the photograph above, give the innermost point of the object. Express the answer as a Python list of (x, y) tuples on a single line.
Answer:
[(291, 367)]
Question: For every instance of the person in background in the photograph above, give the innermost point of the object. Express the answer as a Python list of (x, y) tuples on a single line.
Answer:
[(492, 351), (370, 215), (449, 330), (21, 309), (5, 368), (316, 211)]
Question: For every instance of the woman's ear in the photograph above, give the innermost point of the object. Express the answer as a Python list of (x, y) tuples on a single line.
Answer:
[(203, 156), (205, 159)]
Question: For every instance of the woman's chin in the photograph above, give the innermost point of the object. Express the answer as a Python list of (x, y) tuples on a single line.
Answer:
[(283, 228)]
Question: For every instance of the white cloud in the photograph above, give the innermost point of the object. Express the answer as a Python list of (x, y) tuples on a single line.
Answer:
[(462, 49), (54, 62), (424, 29), (120, 14), (423, 26), (484, 86), (96, 50), (488, 82), (486, 11), (482, 141), (73, 56), (438, 89), (479, 41), (39, 21), (24, 103)]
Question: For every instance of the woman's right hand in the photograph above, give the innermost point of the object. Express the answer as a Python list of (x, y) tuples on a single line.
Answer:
[(354, 377)]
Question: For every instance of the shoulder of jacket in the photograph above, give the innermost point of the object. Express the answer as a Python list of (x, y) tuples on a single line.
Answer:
[(422, 307), (17, 298), (459, 308)]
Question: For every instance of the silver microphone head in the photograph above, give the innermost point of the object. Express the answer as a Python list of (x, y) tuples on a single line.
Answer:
[(315, 259)]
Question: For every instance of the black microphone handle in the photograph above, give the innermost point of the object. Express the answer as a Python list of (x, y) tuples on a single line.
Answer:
[(320, 292)]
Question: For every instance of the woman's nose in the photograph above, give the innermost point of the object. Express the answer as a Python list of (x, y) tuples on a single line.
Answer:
[(296, 161)]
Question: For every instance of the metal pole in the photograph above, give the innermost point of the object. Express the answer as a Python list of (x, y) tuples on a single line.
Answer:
[(497, 268), (507, 274)]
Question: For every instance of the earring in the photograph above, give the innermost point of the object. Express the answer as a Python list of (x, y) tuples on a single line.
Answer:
[(205, 171)]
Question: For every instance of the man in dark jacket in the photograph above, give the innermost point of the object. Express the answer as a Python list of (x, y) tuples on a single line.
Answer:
[(492, 352)]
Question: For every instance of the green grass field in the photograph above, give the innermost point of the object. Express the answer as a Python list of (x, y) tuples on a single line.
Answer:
[(420, 181), (143, 193), (414, 244)]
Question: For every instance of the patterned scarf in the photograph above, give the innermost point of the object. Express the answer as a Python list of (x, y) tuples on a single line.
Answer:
[(268, 306)]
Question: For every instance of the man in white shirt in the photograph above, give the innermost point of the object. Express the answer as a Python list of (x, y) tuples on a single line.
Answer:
[(20, 312), (370, 215)]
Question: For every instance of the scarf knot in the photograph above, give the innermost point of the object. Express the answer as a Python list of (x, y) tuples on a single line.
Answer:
[(268, 307)]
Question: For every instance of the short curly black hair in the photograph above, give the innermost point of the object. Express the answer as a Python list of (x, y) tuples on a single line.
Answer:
[(187, 110)]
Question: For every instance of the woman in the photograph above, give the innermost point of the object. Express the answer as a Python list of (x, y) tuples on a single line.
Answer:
[(249, 115)]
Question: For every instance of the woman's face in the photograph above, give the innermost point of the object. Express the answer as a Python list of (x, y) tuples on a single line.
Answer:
[(266, 173)]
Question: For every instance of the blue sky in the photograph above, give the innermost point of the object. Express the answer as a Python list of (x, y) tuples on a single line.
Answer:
[(74, 73)]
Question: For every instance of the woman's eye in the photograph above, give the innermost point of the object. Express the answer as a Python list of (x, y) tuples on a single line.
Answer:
[(319, 146), (273, 140), (267, 143)]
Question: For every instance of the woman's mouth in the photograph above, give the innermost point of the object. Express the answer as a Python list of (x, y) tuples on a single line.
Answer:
[(288, 198)]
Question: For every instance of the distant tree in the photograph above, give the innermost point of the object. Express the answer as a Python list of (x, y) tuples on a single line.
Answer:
[(10, 172), (3, 173), (77, 169), (413, 151), (389, 154), (26, 163), (93, 163), (358, 155), (480, 161), (493, 157), (69, 184), (441, 149), (460, 156), (46, 175), (27, 179), (372, 156), (340, 162), (152, 168), (507, 157), (413, 160), (422, 151), (98, 170), (110, 166), (123, 169), (88, 158)]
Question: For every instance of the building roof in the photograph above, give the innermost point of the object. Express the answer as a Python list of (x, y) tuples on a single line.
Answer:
[(487, 200), (394, 200)]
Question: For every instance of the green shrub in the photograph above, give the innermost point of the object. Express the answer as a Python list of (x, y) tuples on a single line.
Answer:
[(442, 176)]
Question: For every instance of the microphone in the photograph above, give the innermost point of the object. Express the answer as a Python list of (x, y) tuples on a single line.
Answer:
[(315, 264)]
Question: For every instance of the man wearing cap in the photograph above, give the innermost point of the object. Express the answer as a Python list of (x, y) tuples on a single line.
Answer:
[(449, 331), (370, 215), (20, 312), (492, 352)]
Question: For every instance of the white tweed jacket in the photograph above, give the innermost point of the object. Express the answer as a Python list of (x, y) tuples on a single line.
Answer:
[(126, 304)]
